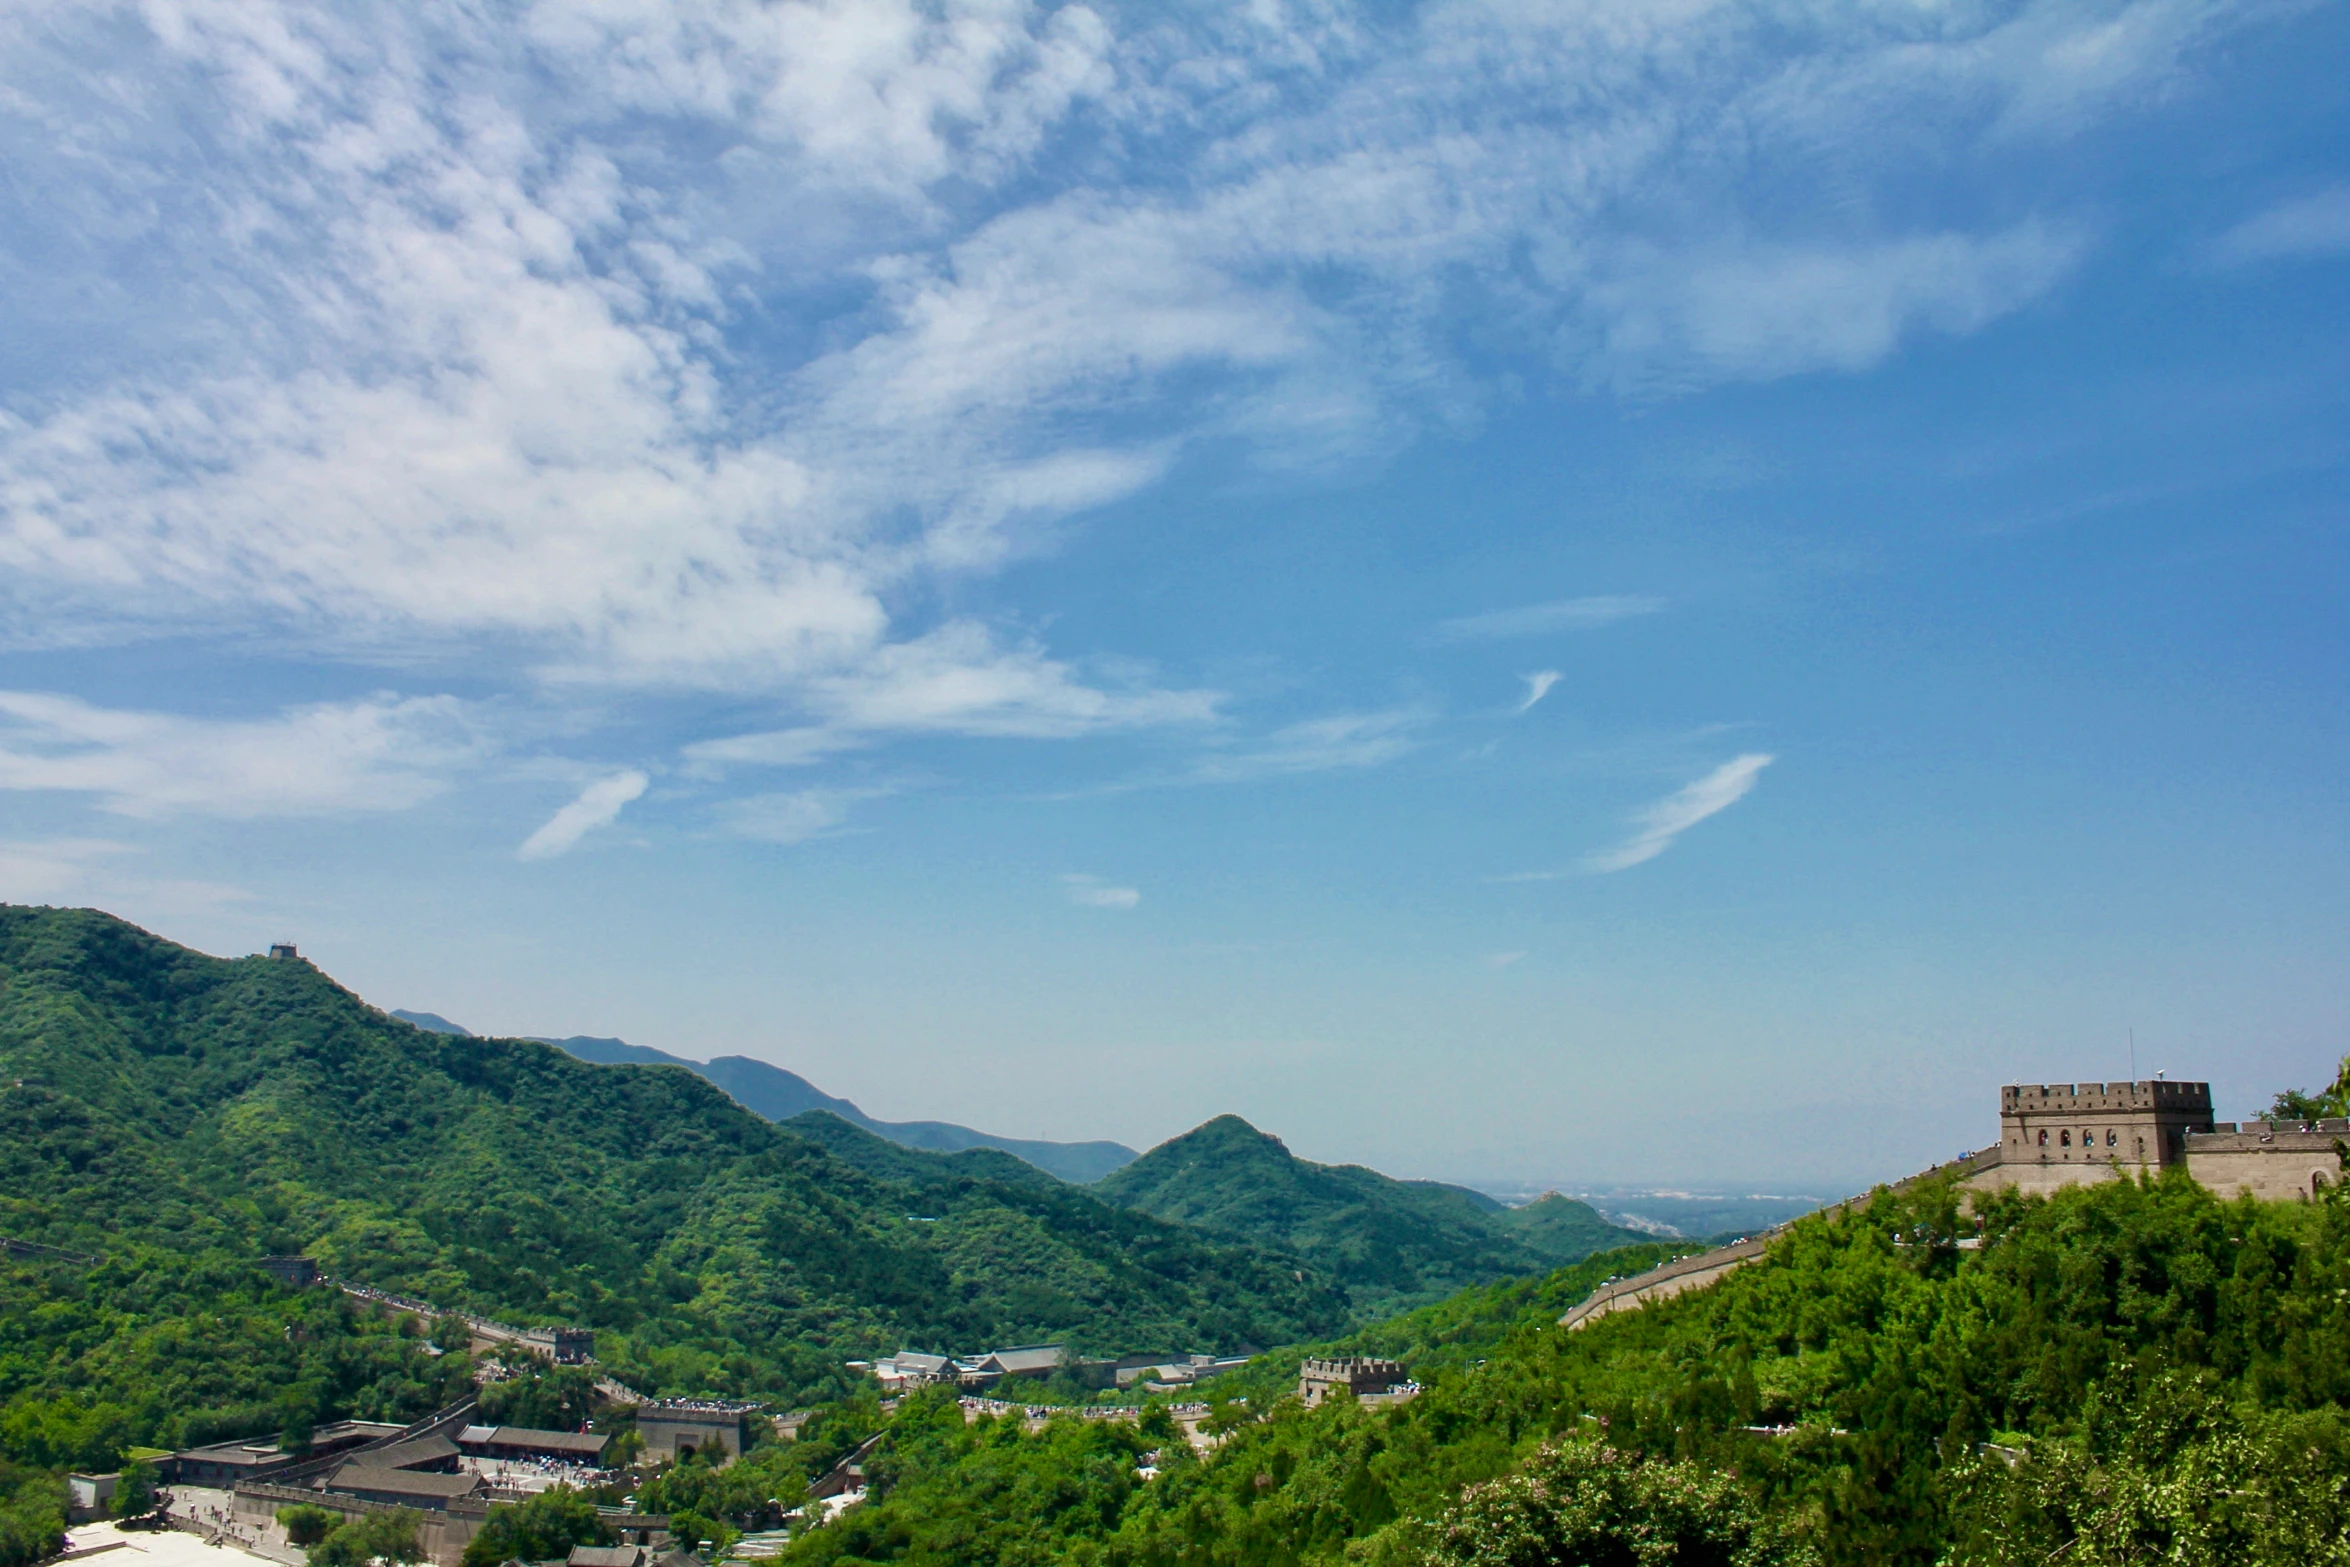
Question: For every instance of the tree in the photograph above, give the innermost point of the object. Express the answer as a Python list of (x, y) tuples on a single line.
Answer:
[(549, 1398), (32, 1516), (1577, 1502), (546, 1526), (392, 1536), (134, 1491), (690, 1529), (69, 1432), (306, 1525)]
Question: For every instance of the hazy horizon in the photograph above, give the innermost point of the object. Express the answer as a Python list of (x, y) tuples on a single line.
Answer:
[(1588, 593)]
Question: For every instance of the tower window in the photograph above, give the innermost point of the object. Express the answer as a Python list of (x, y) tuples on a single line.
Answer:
[(2065, 1139)]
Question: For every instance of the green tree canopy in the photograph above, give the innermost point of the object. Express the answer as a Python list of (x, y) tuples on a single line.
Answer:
[(394, 1536), (1577, 1503), (542, 1529)]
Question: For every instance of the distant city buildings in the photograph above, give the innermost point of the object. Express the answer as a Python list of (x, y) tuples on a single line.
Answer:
[(978, 1373)]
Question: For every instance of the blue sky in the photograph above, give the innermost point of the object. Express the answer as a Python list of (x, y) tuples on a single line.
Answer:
[(1608, 592)]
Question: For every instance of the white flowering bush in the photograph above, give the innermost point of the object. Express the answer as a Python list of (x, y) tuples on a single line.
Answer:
[(1580, 1504)]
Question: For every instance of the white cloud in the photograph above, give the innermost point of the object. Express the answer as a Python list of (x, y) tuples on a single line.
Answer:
[(36, 871), (1764, 310), (470, 342), (1675, 814), (790, 818), (1538, 686), (102, 873), (1502, 960), (1337, 743), (1533, 620), (1093, 893), (381, 754), (958, 680), (598, 805), (2316, 225)]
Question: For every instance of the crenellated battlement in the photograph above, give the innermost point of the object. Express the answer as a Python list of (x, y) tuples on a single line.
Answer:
[(2065, 1098)]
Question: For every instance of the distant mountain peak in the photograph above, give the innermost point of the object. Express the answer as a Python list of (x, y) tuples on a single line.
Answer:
[(1390, 1243), (432, 1023), (768, 1090), (1229, 1128)]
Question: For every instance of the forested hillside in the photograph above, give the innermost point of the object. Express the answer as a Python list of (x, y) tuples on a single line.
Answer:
[(173, 1110), (1390, 1244), (2120, 1374), (769, 1090)]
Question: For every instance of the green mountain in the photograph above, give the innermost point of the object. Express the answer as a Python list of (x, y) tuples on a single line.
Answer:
[(2119, 1373), (1564, 1229), (1390, 1244), (886, 1160), (154, 1100), (779, 1095)]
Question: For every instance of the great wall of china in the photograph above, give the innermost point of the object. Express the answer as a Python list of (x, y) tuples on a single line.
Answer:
[(2053, 1136)]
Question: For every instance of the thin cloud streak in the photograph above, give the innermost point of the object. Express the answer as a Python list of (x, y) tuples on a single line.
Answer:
[(1092, 892), (2307, 227), (598, 805), (1675, 814), (383, 753), (1538, 686), (793, 817), (1341, 742), (1534, 620)]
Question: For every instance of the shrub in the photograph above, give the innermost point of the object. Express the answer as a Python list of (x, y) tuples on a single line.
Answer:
[(541, 1529), (384, 1537), (307, 1525), (1578, 1502)]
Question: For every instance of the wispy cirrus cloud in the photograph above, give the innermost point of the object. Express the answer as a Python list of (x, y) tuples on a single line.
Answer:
[(472, 345), (791, 817), (1538, 686), (958, 680), (1336, 743), (383, 753), (105, 873), (2310, 226), (598, 805), (1091, 892), (1676, 813), (1557, 615)]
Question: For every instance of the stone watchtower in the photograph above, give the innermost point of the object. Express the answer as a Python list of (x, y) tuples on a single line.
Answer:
[(2063, 1134), (1361, 1375)]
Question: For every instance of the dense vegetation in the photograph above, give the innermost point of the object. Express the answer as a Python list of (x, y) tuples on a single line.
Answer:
[(32, 1514), (1391, 1244), (157, 1350), (2120, 1373), (179, 1111), (768, 1090)]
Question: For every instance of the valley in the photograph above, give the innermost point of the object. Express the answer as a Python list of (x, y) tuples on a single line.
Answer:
[(1931, 1374)]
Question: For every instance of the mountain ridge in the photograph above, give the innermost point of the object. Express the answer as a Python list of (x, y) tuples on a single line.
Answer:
[(780, 1094), (1392, 1244), (161, 1101)]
